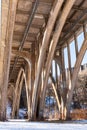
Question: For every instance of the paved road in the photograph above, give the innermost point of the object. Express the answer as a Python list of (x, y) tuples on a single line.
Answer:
[(41, 126)]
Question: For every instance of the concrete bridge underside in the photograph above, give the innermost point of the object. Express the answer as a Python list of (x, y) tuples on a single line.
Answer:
[(34, 33)]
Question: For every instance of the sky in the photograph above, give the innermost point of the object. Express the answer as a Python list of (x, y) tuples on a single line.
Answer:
[(80, 40)]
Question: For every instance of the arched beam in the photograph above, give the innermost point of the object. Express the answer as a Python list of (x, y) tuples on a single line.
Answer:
[(53, 15), (27, 58), (23, 54), (55, 39), (28, 93), (75, 75), (18, 88), (15, 95)]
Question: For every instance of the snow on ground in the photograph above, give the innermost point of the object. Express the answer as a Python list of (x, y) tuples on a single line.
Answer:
[(15, 125), (8, 111), (22, 112)]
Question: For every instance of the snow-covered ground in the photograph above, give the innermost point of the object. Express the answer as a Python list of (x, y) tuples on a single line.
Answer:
[(15, 125), (22, 112)]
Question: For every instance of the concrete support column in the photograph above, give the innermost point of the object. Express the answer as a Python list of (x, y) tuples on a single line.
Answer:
[(32, 65), (3, 21), (4, 13), (2, 46), (63, 87), (1, 75), (56, 75), (8, 17), (28, 89), (19, 96), (38, 110), (63, 68), (61, 109), (36, 55), (16, 92)]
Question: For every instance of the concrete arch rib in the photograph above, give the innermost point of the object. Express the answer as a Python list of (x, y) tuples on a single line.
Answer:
[(53, 15), (75, 74), (23, 54), (16, 101), (15, 95), (27, 58), (55, 39), (27, 94), (19, 89)]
